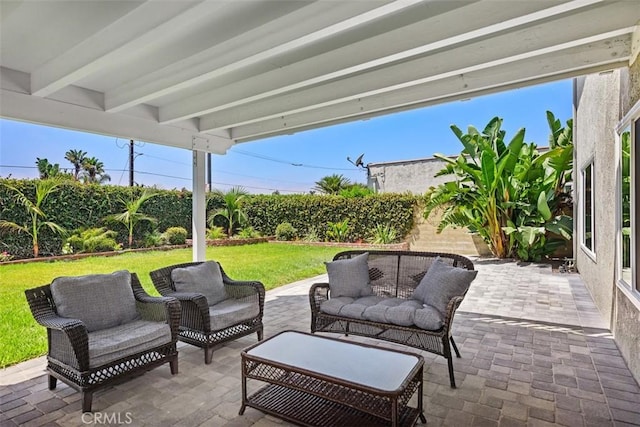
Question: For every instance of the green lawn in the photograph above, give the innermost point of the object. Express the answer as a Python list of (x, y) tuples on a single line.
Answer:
[(21, 338)]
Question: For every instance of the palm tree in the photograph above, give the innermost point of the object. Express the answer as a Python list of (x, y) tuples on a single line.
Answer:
[(35, 212), (93, 171), (132, 215), (77, 158), (332, 184), (47, 170), (232, 210)]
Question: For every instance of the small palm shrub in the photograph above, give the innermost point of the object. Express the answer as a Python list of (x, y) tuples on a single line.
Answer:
[(93, 240), (248, 233), (215, 233), (383, 234), (286, 231), (338, 231), (153, 239), (311, 236), (175, 235)]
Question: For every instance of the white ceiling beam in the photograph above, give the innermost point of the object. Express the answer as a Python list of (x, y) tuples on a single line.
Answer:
[(248, 50), (352, 59), (387, 80), (20, 105), (142, 27), (452, 89)]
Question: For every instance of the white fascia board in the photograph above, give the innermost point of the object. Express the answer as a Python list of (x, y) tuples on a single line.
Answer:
[(454, 89), (225, 59), (352, 59), (407, 75), (28, 108)]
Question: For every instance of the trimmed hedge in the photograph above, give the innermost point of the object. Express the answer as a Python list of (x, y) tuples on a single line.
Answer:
[(76, 205), (306, 212)]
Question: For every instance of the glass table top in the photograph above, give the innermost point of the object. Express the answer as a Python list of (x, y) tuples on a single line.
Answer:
[(373, 367)]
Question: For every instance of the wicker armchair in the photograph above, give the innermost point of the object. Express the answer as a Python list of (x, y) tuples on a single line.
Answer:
[(87, 356), (207, 325)]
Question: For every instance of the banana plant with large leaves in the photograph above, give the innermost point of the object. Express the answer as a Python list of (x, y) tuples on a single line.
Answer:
[(507, 193)]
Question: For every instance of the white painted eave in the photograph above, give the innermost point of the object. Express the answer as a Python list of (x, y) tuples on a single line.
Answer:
[(206, 75)]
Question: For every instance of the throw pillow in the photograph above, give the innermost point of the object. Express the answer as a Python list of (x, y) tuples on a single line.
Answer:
[(100, 301), (441, 283), (204, 279), (349, 277)]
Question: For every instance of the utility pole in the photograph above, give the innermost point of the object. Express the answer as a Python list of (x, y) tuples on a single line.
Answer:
[(131, 163), (209, 171)]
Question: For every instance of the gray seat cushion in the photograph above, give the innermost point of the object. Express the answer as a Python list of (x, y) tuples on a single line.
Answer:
[(428, 318), (204, 279), (100, 301), (441, 283), (108, 345), (395, 311), (349, 277), (232, 311)]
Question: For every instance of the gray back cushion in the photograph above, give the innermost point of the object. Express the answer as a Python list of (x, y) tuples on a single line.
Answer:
[(100, 301), (441, 283), (349, 277), (204, 279)]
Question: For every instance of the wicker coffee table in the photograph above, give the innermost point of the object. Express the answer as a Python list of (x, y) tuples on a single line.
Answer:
[(319, 381)]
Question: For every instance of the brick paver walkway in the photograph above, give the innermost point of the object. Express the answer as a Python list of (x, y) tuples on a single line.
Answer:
[(534, 353)]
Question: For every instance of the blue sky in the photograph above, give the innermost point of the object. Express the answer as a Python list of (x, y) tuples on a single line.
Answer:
[(402, 136)]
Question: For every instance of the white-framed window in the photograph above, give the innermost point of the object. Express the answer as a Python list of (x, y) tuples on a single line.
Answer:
[(587, 208), (628, 200)]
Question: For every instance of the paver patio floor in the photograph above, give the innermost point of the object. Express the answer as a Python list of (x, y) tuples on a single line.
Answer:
[(535, 352)]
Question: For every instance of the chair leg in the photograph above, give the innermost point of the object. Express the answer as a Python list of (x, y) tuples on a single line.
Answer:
[(260, 334), (53, 381), (208, 355), (87, 399), (452, 379), (455, 348), (173, 365)]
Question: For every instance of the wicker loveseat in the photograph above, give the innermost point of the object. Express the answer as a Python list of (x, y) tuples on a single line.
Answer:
[(104, 328), (393, 278), (209, 317)]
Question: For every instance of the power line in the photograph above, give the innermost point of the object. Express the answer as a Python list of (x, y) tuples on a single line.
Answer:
[(175, 177), (287, 162)]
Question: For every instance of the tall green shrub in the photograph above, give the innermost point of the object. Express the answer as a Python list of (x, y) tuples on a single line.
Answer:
[(510, 194)]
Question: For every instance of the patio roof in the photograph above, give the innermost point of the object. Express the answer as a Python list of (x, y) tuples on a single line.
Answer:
[(204, 75)]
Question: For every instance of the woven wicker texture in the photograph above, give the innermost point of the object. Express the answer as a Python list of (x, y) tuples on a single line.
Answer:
[(195, 322), (68, 357), (394, 274)]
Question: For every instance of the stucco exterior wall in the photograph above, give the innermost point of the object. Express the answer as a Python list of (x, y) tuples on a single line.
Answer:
[(596, 116), (626, 322), (415, 176), (601, 101)]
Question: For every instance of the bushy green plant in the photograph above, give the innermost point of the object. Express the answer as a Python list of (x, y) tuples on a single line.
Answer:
[(356, 190), (286, 231), (93, 240), (312, 235), (383, 234), (175, 235), (36, 218), (510, 194), (338, 231), (248, 233), (153, 238), (132, 214), (215, 233), (231, 212)]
